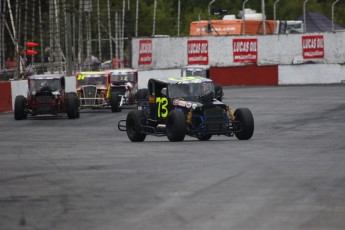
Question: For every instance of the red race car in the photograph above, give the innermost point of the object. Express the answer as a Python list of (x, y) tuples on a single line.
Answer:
[(46, 95)]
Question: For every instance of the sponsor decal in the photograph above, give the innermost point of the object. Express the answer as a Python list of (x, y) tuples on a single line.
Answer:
[(178, 102), (197, 52), (145, 52), (162, 106), (220, 28), (188, 104), (245, 49), (175, 102), (313, 46)]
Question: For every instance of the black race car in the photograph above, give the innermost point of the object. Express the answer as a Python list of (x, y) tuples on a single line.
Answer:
[(176, 107)]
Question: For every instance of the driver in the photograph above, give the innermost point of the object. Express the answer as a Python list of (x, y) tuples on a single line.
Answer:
[(44, 85), (206, 87)]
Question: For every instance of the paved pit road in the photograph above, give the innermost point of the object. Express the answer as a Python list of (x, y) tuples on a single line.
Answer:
[(57, 173)]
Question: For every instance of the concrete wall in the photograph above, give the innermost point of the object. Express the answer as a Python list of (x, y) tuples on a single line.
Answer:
[(311, 74), (145, 75), (171, 52), (5, 97)]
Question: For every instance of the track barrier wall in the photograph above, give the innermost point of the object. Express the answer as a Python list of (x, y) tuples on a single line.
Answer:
[(5, 97), (245, 75)]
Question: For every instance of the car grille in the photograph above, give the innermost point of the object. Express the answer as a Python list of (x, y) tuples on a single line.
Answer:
[(215, 120), (214, 112), (89, 92), (44, 104)]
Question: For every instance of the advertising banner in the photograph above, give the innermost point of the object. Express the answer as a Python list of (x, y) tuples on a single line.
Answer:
[(313, 46), (145, 52), (245, 49), (197, 52)]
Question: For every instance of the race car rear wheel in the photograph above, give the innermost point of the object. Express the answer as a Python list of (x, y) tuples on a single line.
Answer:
[(176, 126), (72, 106), (133, 126), (218, 90), (115, 102), (19, 108), (142, 94), (246, 123)]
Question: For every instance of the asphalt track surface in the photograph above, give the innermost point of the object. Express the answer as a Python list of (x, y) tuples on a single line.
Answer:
[(57, 173)]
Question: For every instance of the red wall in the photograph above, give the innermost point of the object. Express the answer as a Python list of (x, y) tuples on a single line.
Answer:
[(245, 75), (5, 97)]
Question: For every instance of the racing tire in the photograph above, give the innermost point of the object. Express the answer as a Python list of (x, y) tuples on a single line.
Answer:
[(218, 90), (176, 126), (19, 108), (72, 106), (142, 94), (246, 123), (78, 105), (133, 126), (114, 103), (205, 137)]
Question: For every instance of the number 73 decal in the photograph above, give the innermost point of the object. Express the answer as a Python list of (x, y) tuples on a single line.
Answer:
[(162, 103)]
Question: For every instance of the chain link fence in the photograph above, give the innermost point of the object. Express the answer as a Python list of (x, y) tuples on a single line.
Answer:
[(70, 36)]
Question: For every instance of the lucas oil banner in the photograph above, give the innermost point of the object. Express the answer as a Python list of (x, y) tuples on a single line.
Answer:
[(245, 49), (313, 46), (145, 52), (197, 52)]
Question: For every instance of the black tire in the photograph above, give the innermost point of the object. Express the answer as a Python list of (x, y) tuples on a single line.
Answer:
[(142, 94), (19, 108), (218, 90), (246, 123), (176, 126), (72, 106), (115, 102), (133, 126), (205, 137), (78, 105)]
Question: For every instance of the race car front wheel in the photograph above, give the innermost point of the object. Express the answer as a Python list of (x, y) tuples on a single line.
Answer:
[(245, 125), (72, 106), (176, 126), (115, 102), (133, 126)]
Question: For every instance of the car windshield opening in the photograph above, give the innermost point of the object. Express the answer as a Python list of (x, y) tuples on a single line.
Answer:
[(124, 77), (194, 72), (92, 80), (45, 84), (190, 91)]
